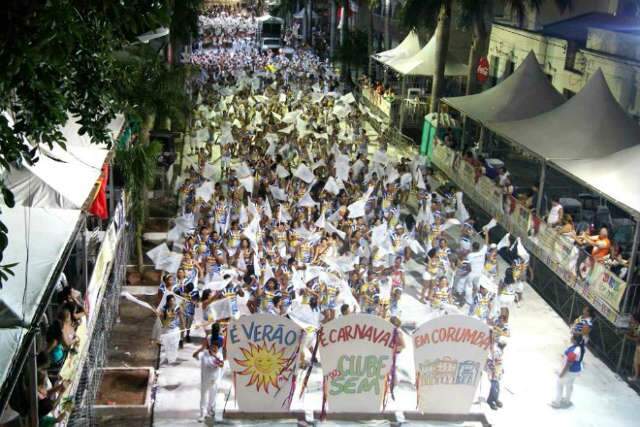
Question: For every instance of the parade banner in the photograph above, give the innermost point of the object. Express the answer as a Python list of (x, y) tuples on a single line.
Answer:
[(356, 352), (449, 355), (467, 176), (262, 350), (490, 193), (521, 219), (607, 286)]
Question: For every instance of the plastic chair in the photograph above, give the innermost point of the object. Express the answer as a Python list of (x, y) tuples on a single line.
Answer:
[(572, 207), (603, 218)]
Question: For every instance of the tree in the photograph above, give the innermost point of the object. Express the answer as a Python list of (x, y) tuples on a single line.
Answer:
[(372, 4), (57, 58), (151, 91), (475, 13)]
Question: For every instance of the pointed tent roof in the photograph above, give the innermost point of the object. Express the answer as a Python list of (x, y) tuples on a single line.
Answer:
[(423, 63), (617, 176), (38, 239), (409, 47), (60, 178), (525, 93), (589, 125)]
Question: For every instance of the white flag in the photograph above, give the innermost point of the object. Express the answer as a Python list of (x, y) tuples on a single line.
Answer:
[(356, 209), (267, 209), (307, 201), (283, 214), (331, 186), (281, 172), (421, 185), (504, 242), (247, 183), (278, 193), (304, 173)]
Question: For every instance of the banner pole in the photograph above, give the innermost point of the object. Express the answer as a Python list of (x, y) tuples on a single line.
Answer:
[(543, 176)]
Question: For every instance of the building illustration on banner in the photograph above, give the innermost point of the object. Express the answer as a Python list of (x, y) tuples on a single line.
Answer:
[(448, 371)]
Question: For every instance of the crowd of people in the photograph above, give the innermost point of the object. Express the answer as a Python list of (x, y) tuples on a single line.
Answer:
[(291, 205), (592, 238), (59, 343)]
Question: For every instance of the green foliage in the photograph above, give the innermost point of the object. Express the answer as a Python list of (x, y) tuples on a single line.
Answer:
[(138, 163), (184, 20), (354, 51), (59, 57), (150, 87)]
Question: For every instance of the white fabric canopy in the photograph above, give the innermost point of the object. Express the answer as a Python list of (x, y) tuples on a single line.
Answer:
[(423, 63), (10, 340), (616, 175), (591, 124), (269, 18), (37, 240), (526, 93), (409, 47), (60, 178)]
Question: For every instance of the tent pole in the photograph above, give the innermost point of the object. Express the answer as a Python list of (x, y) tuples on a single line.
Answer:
[(85, 258), (403, 88), (32, 385), (632, 268), (481, 141), (112, 196), (543, 173)]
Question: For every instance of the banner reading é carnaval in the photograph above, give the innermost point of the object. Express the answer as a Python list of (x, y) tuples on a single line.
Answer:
[(262, 350), (356, 352), (449, 353)]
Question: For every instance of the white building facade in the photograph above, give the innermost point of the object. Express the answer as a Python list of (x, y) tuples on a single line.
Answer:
[(570, 51)]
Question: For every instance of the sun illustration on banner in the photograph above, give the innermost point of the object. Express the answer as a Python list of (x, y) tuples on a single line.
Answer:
[(264, 364)]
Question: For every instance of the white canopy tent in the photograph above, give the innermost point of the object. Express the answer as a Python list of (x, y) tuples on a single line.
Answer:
[(61, 178), (617, 176), (10, 341), (525, 93), (406, 49), (38, 239), (269, 18), (590, 125), (423, 63)]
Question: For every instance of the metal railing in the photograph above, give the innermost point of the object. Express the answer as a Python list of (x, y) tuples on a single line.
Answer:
[(88, 387)]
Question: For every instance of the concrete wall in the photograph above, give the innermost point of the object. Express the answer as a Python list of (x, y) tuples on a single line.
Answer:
[(621, 44), (622, 75), (548, 13)]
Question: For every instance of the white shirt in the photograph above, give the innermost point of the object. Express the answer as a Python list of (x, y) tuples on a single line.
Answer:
[(476, 259)]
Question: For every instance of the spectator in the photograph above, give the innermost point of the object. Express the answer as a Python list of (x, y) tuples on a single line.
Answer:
[(600, 244), (634, 336), (555, 213)]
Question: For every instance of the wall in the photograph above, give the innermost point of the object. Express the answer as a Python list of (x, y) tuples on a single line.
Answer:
[(622, 75), (548, 12), (621, 44)]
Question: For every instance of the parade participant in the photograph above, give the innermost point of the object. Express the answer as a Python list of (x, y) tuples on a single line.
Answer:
[(634, 336), (171, 318), (584, 323), (571, 369), (211, 366), (495, 371)]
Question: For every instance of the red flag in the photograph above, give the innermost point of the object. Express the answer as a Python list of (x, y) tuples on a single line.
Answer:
[(99, 204)]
